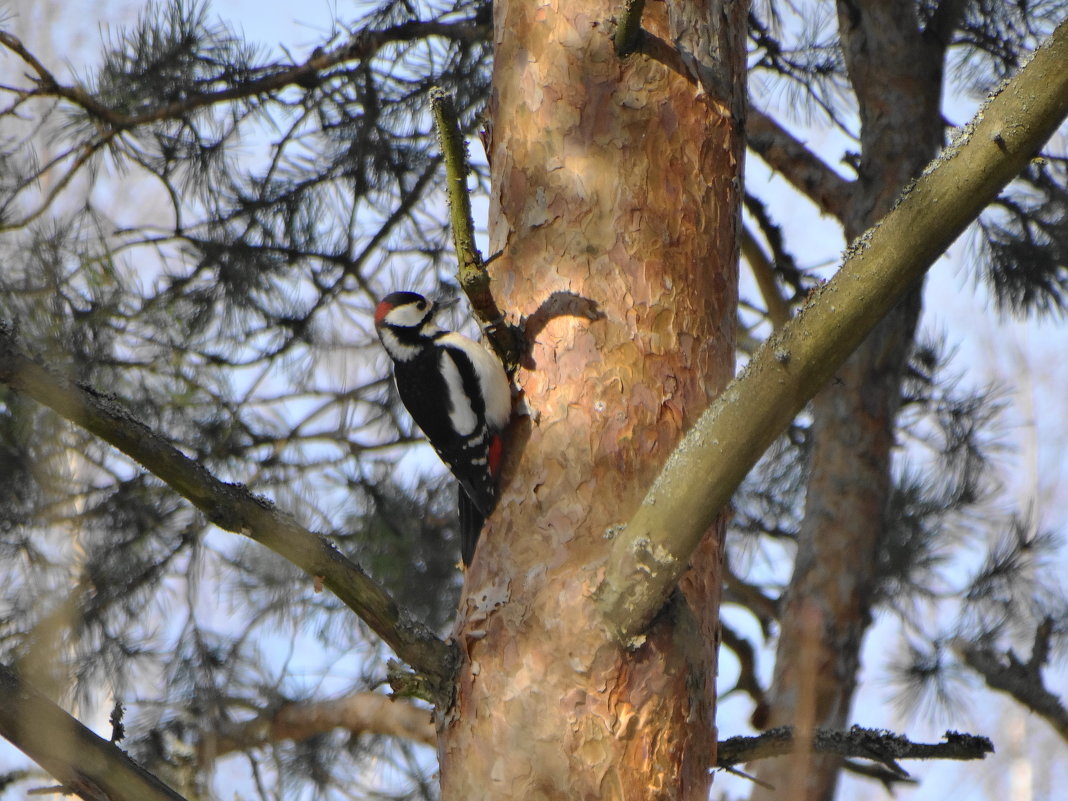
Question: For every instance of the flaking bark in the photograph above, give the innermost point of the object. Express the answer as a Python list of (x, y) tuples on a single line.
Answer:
[(614, 186)]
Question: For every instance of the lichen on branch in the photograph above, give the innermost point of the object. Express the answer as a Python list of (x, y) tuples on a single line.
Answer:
[(701, 475)]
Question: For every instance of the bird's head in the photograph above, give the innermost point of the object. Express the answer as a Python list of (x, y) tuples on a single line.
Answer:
[(404, 310)]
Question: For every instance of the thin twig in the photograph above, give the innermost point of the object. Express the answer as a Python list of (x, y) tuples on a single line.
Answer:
[(1020, 680), (472, 267), (883, 747), (361, 46), (760, 265), (471, 272)]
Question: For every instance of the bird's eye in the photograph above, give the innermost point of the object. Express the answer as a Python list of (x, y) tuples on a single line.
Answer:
[(421, 305)]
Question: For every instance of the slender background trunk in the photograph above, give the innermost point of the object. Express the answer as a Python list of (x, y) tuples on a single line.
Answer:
[(616, 187), (896, 75)]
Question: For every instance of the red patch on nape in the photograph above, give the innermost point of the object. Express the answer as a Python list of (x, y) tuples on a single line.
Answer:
[(496, 451), (381, 310)]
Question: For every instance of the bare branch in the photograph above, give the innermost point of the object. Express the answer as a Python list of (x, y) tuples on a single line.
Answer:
[(629, 27), (472, 273), (454, 151), (805, 171), (361, 46), (231, 507), (366, 712), (85, 764), (1022, 681), (883, 747), (747, 672), (751, 596), (760, 264)]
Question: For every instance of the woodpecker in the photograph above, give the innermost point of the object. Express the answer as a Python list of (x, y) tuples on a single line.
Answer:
[(458, 394)]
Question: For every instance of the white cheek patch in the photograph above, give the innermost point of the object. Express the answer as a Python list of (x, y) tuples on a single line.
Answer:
[(406, 316), (461, 414)]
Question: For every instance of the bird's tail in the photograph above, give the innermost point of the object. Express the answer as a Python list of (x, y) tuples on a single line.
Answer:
[(471, 520)]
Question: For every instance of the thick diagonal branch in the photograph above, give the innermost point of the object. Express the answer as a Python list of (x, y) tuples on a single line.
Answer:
[(229, 506), (651, 552)]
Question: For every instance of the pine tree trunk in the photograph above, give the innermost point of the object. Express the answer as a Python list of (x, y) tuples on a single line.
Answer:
[(615, 189)]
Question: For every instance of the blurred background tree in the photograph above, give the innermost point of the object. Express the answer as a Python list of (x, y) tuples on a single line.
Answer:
[(201, 224)]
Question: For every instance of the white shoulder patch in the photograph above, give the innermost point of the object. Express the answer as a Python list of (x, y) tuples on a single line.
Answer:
[(492, 379), (461, 414)]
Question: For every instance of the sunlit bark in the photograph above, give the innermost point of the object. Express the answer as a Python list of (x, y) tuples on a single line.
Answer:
[(614, 185)]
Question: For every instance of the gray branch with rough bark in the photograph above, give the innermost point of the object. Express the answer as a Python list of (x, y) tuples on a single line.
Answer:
[(97, 770), (232, 507), (884, 747), (653, 549), (85, 763)]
